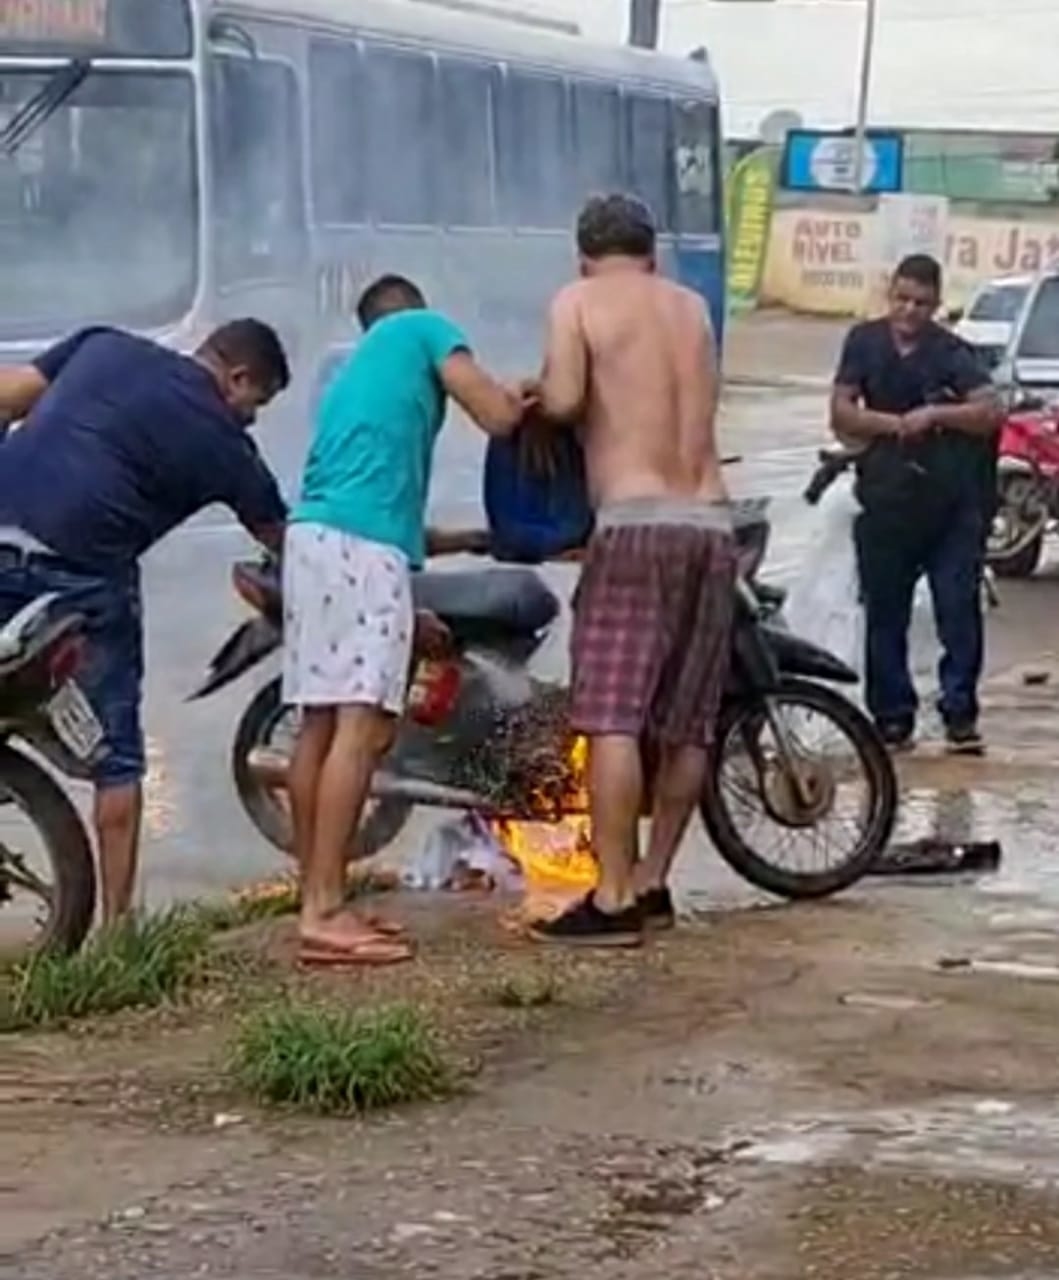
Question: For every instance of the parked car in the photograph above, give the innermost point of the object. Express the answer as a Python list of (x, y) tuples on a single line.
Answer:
[(992, 315), (1030, 365)]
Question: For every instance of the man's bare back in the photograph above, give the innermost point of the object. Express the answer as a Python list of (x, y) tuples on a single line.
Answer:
[(632, 355)]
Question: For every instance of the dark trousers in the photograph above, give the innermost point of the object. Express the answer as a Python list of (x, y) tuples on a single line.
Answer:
[(893, 553)]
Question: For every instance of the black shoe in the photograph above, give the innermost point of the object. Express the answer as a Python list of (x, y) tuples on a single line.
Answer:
[(963, 739), (585, 925), (656, 908), (898, 735)]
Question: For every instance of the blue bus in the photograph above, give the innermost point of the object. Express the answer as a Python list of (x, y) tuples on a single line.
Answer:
[(165, 164)]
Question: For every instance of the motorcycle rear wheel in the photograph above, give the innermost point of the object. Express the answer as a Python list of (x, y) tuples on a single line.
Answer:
[(383, 819), (742, 725), (71, 897)]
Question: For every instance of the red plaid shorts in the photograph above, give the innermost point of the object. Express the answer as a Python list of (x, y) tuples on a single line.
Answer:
[(652, 632)]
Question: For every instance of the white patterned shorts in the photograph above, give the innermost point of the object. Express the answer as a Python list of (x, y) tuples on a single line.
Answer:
[(348, 620)]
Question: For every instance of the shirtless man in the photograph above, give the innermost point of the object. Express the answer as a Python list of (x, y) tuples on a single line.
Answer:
[(632, 356)]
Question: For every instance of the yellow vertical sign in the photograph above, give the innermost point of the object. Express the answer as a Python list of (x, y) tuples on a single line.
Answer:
[(751, 196)]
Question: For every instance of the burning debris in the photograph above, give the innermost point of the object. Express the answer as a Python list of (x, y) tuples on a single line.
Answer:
[(533, 772), (538, 772), (534, 766)]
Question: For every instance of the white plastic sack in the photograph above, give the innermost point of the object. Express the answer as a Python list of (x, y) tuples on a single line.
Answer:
[(460, 849), (824, 603)]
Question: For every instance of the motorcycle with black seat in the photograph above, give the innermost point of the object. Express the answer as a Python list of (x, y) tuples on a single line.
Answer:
[(801, 796), (47, 898)]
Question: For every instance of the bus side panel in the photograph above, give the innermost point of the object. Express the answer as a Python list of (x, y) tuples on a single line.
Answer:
[(702, 269)]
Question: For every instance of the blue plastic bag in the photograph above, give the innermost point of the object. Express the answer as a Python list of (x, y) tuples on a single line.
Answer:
[(536, 494)]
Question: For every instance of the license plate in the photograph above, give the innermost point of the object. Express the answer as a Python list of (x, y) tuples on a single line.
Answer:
[(74, 721)]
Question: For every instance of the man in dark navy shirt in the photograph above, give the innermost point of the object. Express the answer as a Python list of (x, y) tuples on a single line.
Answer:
[(120, 441), (913, 397)]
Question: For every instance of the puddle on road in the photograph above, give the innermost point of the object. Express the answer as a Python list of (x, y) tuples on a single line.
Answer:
[(1026, 825), (960, 1139)]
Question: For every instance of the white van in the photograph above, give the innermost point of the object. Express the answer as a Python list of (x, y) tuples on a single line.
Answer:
[(992, 315), (1032, 356)]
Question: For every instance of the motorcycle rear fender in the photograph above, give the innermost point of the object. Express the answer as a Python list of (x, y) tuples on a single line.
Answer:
[(796, 657), (1008, 465), (248, 645)]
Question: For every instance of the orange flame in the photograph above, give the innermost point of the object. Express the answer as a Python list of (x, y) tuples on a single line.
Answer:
[(557, 853)]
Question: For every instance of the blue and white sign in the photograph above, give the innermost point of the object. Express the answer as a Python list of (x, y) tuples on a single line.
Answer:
[(815, 161)]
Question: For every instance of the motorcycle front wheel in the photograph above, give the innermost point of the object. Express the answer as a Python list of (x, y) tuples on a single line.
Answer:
[(1016, 538), (802, 795), (269, 725), (47, 898)]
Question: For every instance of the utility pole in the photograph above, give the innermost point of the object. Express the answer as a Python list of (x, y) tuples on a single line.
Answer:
[(644, 19), (860, 150)]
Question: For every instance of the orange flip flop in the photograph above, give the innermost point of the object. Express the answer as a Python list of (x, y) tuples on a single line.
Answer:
[(365, 953), (385, 928)]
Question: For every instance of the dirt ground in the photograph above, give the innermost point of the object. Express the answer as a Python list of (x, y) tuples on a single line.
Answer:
[(772, 1093), (857, 1090)]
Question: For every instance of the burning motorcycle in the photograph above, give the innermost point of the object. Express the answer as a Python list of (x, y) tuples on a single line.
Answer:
[(1027, 488), (794, 761), (42, 707)]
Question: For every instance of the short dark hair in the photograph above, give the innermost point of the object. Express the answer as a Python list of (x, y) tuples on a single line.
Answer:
[(388, 294), (254, 344), (616, 225), (921, 269)]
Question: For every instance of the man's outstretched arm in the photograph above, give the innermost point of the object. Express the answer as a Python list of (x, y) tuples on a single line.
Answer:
[(563, 386), (20, 389), (454, 542), (497, 409)]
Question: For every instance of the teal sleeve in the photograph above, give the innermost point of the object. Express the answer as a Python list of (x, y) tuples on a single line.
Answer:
[(441, 337)]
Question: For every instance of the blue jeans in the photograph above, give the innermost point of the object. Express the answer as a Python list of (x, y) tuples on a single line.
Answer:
[(112, 677), (893, 553)]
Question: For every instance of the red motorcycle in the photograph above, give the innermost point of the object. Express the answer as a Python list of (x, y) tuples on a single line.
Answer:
[(1027, 488)]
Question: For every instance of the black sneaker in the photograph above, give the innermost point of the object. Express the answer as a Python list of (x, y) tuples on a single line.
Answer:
[(585, 925), (963, 739), (656, 908), (898, 735)]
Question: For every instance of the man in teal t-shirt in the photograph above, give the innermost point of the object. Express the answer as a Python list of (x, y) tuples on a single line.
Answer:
[(353, 540)]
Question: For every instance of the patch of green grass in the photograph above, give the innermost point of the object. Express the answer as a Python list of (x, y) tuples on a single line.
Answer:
[(141, 962), (338, 1061), (525, 991)]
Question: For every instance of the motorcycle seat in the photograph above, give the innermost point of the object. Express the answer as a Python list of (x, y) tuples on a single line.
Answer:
[(476, 605), (483, 604)]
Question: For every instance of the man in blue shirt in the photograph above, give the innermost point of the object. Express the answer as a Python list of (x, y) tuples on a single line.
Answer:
[(120, 441), (355, 537), (923, 412)]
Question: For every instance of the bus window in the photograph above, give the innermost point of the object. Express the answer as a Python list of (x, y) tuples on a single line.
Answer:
[(260, 223), (336, 132), (465, 160), (648, 153), (597, 139), (399, 99), (99, 206), (697, 137), (531, 146)]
